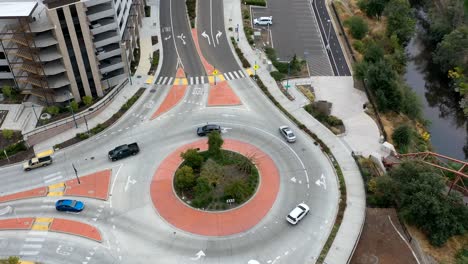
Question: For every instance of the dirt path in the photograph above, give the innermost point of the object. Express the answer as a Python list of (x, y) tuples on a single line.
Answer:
[(380, 243)]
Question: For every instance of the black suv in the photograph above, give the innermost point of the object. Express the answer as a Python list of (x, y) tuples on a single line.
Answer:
[(202, 131)]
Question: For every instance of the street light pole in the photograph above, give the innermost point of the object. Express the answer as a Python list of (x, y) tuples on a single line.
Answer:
[(237, 32), (34, 112), (289, 72), (86, 122), (76, 174), (71, 108), (329, 29)]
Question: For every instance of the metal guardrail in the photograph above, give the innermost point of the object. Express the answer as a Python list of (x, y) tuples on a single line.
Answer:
[(89, 111), (366, 89)]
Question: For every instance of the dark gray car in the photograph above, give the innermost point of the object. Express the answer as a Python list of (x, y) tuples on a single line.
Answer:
[(204, 130)]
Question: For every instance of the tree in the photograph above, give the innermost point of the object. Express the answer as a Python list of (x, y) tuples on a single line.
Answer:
[(74, 106), (400, 20), (13, 260), (402, 136), (7, 91), (53, 110), (184, 178), (411, 103), (192, 158), (382, 81), (421, 196), (87, 100), (212, 172), (237, 190), (452, 51), (215, 142), (373, 52), (357, 26), (203, 195), (373, 8), (7, 133), (444, 18)]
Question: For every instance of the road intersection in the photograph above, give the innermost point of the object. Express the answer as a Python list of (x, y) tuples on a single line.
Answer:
[(132, 228)]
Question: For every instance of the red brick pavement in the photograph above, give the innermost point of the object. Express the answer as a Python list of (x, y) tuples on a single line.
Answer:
[(208, 67), (174, 96), (75, 228), (215, 223), (95, 185), (38, 192), (222, 94), (17, 223)]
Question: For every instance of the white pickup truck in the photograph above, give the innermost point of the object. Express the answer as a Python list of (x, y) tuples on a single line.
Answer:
[(41, 160)]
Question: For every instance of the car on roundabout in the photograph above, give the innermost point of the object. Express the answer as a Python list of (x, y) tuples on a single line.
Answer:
[(206, 129), (298, 213), (287, 133), (68, 205)]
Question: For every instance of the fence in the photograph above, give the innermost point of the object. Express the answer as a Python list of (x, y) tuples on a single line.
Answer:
[(44, 132), (366, 89)]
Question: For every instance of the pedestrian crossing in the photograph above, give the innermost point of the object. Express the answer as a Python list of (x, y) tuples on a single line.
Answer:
[(165, 80), (33, 243)]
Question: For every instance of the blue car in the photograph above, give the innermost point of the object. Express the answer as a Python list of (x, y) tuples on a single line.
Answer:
[(68, 205)]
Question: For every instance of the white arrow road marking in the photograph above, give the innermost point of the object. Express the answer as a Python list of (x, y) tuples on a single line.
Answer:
[(182, 37), (207, 37), (293, 179), (168, 37), (6, 210), (321, 182), (199, 255), (217, 36), (129, 180), (225, 129)]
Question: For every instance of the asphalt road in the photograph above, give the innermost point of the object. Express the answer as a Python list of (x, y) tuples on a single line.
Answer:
[(335, 52), (212, 38), (133, 232)]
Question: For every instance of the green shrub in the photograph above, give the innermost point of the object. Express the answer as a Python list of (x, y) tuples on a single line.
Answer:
[(255, 2), (192, 158), (245, 14), (191, 6), (98, 128), (358, 46), (7, 133), (237, 190), (82, 136), (278, 76), (74, 105), (462, 255), (87, 100), (53, 110), (357, 26), (184, 178), (7, 91), (403, 136)]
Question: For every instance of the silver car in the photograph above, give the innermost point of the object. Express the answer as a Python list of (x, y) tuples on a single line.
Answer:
[(287, 133), (263, 21)]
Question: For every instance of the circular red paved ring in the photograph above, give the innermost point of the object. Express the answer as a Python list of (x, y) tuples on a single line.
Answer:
[(230, 222)]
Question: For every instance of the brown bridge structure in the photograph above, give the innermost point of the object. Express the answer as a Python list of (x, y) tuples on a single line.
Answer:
[(456, 171)]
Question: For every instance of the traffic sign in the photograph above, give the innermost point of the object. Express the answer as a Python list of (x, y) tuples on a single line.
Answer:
[(256, 67), (215, 72)]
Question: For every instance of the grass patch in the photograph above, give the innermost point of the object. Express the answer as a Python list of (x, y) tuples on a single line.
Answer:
[(331, 122), (255, 2)]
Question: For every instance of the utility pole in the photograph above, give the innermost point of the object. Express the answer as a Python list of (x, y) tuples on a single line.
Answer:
[(76, 174), (71, 108), (86, 122), (289, 72)]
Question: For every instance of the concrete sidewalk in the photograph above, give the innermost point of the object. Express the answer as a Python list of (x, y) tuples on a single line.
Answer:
[(138, 80), (353, 220)]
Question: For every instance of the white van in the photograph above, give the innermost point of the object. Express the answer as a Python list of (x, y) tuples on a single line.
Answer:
[(263, 21)]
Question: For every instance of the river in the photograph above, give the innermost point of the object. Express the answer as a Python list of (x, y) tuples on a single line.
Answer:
[(448, 126)]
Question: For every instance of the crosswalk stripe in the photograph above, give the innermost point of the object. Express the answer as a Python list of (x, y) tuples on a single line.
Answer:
[(160, 79), (52, 175), (230, 75), (53, 179), (191, 80), (38, 233), (34, 239), (241, 73), (32, 246), (164, 80), (28, 253), (170, 80), (196, 80), (226, 76), (235, 74)]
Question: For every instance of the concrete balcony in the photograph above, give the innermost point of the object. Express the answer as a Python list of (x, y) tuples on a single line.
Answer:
[(54, 68), (107, 53), (95, 2), (100, 11), (49, 54), (6, 75), (111, 65), (3, 62), (62, 94), (58, 81), (41, 24), (45, 40), (106, 38), (103, 25)]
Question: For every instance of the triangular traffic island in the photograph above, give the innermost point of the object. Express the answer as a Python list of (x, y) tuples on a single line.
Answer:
[(208, 67), (174, 96), (180, 73), (222, 94), (37, 192), (95, 185)]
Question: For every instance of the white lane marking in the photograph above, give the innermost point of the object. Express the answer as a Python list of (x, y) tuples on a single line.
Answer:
[(406, 242), (28, 253), (211, 22), (198, 255), (207, 37), (129, 180), (38, 233), (172, 32), (53, 179), (235, 74), (321, 182), (34, 239), (218, 35), (47, 206), (113, 185), (32, 246), (52, 175)]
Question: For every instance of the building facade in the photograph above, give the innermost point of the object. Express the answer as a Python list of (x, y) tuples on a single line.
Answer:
[(57, 50)]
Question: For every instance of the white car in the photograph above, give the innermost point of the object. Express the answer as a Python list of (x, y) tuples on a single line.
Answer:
[(287, 133), (298, 213), (263, 21)]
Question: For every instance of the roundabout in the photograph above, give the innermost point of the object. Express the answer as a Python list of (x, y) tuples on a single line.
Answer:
[(225, 223)]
